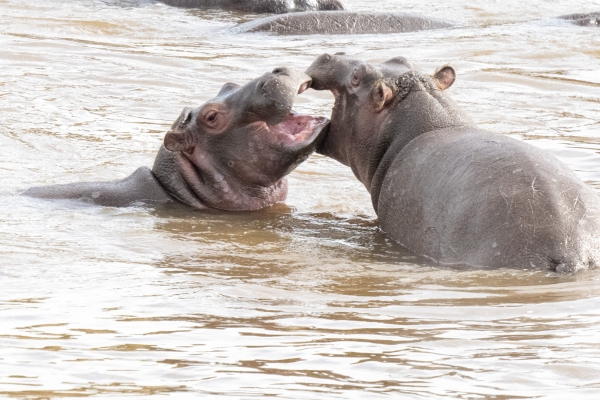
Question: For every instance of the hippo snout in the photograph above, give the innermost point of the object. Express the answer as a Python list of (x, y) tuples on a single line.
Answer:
[(317, 71), (302, 80)]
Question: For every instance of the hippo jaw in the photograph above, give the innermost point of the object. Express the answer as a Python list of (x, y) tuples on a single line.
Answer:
[(286, 144)]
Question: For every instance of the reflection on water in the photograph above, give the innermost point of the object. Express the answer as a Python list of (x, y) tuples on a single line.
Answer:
[(307, 299)]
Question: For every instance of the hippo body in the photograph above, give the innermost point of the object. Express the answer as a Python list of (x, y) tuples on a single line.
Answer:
[(141, 187), (446, 189), (260, 6), (590, 19), (342, 22), (232, 153)]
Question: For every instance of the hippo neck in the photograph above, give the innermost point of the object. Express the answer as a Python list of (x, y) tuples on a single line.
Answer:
[(419, 111), (194, 180), (418, 108)]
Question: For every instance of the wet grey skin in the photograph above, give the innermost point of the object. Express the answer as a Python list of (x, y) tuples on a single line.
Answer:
[(232, 153), (446, 189), (260, 6), (342, 22), (589, 19)]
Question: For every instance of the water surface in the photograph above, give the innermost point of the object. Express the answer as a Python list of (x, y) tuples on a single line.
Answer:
[(307, 299)]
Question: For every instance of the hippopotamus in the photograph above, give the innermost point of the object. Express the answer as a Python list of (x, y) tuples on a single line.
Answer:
[(590, 19), (232, 153), (444, 188), (341, 22), (260, 6)]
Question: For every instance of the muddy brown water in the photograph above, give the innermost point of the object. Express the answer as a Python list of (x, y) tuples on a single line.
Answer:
[(307, 299)]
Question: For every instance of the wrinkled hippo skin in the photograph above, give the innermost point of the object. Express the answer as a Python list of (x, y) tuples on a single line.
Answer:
[(232, 153), (590, 19), (342, 22), (260, 6), (446, 189)]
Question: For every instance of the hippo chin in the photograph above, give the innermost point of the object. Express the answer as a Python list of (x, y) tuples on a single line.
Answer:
[(260, 6), (446, 189), (342, 22), (232, 153), (590, 19)]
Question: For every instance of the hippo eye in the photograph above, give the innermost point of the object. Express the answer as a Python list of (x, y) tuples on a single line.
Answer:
[(211, 116)]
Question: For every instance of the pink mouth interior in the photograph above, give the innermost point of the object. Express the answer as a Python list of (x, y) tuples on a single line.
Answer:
[(304, 87), (298, 127)]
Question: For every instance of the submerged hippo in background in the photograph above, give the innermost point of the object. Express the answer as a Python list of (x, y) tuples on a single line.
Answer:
[(260, 6), (446, 189), (590, 19), (342, 22), (232, 153)]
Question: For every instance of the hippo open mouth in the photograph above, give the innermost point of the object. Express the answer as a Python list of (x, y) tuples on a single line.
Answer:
[(304, 86), (296, 127)]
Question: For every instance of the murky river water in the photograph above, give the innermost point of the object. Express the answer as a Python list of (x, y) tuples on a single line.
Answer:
[(308, 299)]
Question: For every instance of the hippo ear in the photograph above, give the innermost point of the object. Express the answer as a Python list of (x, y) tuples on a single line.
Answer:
[(177, 141), (382, 95), (444, 77)]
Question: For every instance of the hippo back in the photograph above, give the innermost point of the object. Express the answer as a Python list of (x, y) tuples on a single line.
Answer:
[(467, 196), (342, 22)]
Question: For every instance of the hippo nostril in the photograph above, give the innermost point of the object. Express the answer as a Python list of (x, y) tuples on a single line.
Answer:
[(261, 84), (184, 118), (187, 118), (281, 71)]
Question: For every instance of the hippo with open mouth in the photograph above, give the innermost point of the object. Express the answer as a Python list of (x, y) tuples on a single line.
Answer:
[(445, 188), (232, 153)]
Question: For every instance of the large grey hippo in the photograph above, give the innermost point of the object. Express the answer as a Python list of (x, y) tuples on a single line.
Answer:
[(446, 189), (231, 153), (260, 6), (342, 22), (590, 19)]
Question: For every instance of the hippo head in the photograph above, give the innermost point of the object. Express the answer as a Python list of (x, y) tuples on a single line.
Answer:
[(369, 100), (234, 151)]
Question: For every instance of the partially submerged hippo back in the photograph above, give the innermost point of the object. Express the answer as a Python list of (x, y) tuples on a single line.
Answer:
[(446, 189), (342, 22), (260, 6), (590, 19), (232, 153)]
